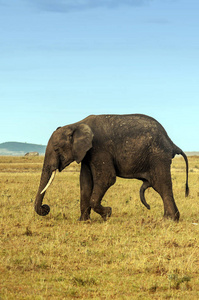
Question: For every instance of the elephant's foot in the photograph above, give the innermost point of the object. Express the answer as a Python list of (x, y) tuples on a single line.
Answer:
[(106, 213), (85, 213), (85, 217), (84, 220), (173, 216)]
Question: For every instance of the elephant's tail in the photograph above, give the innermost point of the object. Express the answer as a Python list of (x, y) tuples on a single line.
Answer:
[(180, 152), (143, 188)]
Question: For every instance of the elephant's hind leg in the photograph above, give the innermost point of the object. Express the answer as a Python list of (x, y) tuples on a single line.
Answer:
[(143, 188), (163, 185)]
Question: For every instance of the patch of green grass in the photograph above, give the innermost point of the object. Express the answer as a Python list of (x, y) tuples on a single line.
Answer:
[(136, 254)]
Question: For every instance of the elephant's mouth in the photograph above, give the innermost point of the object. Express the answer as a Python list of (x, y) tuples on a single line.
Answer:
[(63, 165)]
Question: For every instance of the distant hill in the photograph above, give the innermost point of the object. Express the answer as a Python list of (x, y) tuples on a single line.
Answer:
[(193, 153), (17, 149)]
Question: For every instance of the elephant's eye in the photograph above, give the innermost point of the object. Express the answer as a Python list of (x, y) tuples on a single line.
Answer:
[(70, 138), (56, 149)]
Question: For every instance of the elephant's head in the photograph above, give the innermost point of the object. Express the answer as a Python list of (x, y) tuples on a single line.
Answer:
[(67, 144)]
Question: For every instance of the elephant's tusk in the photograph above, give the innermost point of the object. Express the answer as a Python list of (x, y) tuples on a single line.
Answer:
[(49, 182)]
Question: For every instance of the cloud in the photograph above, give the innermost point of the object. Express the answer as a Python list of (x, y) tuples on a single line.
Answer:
[(73, 5)]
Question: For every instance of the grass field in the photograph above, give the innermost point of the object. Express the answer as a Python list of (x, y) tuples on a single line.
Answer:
[(136, 254)]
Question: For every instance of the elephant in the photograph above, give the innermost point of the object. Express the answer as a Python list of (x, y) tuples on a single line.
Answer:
[(109, 146)]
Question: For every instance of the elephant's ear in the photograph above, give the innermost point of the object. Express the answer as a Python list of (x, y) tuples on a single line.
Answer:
[(82, 141)]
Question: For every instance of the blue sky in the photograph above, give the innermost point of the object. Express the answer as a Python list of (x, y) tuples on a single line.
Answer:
[(63, 60)]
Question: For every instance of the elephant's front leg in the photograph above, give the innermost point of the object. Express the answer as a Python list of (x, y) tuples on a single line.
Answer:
[(86, 186), (97, 195), (99, 189)]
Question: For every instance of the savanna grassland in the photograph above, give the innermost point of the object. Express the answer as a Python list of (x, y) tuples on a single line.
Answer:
[(134, 255)]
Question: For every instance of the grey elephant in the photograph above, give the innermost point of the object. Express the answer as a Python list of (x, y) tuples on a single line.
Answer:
[(127, 146)]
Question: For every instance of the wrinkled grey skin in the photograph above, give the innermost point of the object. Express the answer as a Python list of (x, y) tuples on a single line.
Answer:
[(127, 146)]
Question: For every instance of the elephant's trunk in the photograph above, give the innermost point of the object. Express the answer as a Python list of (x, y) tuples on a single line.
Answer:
[(46, 180), (51, 164), (40, 209)]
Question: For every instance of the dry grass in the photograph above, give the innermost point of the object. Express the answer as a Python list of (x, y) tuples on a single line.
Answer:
[(134, 255)]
